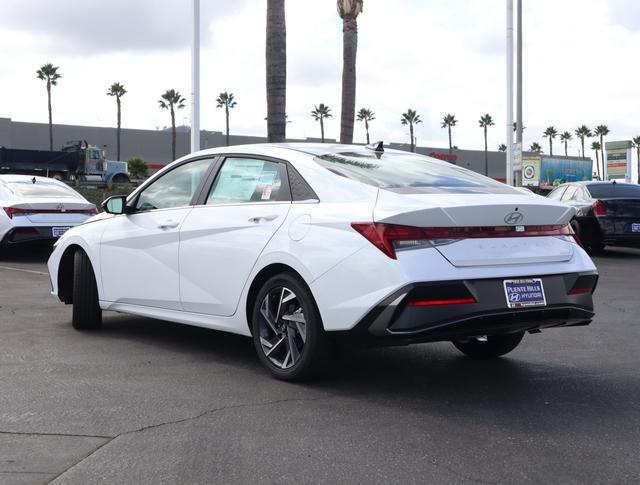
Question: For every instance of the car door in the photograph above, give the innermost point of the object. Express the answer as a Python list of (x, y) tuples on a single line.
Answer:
[(221, 239), (139, 251)]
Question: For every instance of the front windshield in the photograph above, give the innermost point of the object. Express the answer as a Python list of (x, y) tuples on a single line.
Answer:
[(409, 173)]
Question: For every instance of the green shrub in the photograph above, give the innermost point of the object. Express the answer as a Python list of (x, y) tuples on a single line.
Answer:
[(137, 167)]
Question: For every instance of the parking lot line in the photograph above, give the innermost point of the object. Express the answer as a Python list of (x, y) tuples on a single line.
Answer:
[(9, 268)]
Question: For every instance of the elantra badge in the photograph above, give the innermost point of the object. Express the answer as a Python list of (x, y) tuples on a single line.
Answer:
[(513, 218)]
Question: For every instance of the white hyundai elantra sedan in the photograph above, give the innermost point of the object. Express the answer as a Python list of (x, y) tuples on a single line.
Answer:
[(297, 245), (37, 209)]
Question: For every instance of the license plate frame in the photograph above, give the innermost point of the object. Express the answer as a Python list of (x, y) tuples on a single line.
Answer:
[(524, 293), (59, 230)]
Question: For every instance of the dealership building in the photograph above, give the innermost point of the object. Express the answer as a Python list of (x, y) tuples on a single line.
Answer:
[(154, 146)]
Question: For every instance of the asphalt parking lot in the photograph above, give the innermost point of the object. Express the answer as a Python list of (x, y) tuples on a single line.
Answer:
[(143, 401)]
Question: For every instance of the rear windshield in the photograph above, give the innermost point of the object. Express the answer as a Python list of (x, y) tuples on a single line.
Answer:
[(41, 190), (409, 173), (604, 191)]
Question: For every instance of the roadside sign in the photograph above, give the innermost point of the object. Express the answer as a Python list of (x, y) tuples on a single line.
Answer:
[(618, 160), (517, 156)]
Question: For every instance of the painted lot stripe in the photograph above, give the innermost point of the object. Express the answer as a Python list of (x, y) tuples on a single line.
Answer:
[(24, 270)]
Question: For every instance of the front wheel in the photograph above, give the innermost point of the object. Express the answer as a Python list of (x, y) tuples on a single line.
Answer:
[(86, 309), (490, 346), (287, 329)]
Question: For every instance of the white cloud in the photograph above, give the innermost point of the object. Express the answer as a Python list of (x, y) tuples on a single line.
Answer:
[(436, 57)]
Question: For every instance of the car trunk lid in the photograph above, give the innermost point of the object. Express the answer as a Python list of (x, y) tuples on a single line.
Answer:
[(497, 213)]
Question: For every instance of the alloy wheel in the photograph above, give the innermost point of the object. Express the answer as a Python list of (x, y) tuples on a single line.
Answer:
[(283, 327)]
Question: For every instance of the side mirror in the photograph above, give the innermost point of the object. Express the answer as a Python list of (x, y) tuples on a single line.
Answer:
[(115, 205)]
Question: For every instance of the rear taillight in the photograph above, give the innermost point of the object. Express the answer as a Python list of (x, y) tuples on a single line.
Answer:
[(448, 301), (390, 238), (599, 208), (584, 284), (13, 211)]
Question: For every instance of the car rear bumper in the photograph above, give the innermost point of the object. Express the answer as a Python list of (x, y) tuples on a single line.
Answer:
[(394, 321), (30, 234)]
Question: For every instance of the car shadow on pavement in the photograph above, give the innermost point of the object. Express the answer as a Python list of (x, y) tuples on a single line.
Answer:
[(429, 378), (31, 253), (617, 253)]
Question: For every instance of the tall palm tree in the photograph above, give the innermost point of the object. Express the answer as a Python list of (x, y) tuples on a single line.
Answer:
[(225, 100), (117, 90), (50, 74), (348, 11), (636, 143), (550, 133), (411, 118), (535, 148), (583, 132), (172, 100), (320, 112), (276, 64), (366, 115), (485, 122), (448, 121), (601, 131), (502, 147), (565, 137), (595, 146)]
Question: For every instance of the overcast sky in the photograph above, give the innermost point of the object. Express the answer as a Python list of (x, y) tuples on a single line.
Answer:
[(435, 56)]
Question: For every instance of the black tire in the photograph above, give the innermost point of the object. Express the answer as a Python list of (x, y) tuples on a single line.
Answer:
[(494, 346), (87, 314), (120, 178), (591, 246), (314, 352)]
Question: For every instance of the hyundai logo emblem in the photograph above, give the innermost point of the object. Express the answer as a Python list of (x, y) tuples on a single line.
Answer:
[(513, 218)]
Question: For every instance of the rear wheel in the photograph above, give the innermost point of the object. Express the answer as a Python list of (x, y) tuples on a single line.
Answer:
[(489, 346), (120, 178), (287, 330), (86, 310)]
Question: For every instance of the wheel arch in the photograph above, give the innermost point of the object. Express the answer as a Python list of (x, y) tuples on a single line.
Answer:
[(260, 278), (65, 273)]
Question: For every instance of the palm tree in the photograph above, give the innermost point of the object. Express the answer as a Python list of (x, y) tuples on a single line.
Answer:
[(225, 100), (535, 148), (583, 132), (276, 64), (485, 122), (550, 133), (565, 137), (502, 147), (348, 11), (595, 146), (117, 90), (636, 143), (601, 131), (448, 121), (319, 113), (366, 115), (172, 100), (411, 118), (49, 73)]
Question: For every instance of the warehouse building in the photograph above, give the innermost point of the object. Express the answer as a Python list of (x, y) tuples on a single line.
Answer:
[(154, 146)]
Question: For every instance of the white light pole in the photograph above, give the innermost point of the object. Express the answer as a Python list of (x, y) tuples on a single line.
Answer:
[(509, 165), (195, 78)]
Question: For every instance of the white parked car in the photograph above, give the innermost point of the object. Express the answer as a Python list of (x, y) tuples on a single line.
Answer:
[(298, 245), (38, 209)]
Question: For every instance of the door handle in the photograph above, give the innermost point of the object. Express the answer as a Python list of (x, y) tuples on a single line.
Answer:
[(168, 225), (263, 219)]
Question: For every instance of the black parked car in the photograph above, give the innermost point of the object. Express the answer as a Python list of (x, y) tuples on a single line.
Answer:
[(608, 213)]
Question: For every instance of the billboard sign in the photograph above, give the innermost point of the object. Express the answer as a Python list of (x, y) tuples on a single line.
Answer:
[(531, 171), (618, 160), (543, 171)]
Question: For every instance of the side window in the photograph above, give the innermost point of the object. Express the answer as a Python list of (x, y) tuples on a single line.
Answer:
[(568, 195), (175, 188), (243, 180), (579, 195), (556, 193)]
